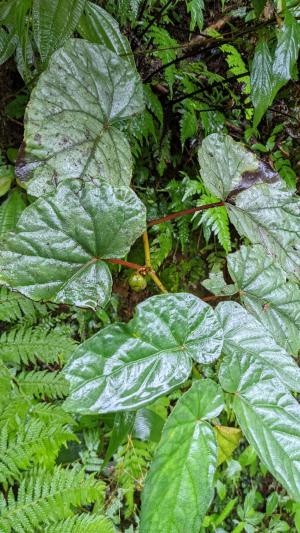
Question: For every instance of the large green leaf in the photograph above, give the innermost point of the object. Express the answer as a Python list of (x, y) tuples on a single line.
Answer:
[(125, 366), (258, 204), (225, 164), (53, 23), (286, 53), (73, 119), (98, 26), (56, 253), (8, 43), (179, 486), (268, 415), (270, 215), (261, 80), (243, 333), (266, 293)]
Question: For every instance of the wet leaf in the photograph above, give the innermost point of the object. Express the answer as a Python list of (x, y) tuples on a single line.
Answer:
[(218, 286), (267, 414), (53, 23), (57, 250), (261, 81), (270, 215), (98, 26), (125, 366), (267, 294), (74, 116), (257, 201), (286, 53), (243, 333), (179, 486)]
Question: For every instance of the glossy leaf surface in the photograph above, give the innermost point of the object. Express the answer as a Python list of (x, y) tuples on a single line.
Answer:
[(98, 26), (217, 285), (73, 118), (286, 52), (243, 333), (268, 416), (53, 23), (258, 203), (270, 215), (125, 366), (266, 294), (261, 81), (179, 485), (223, 163), (60, 240)]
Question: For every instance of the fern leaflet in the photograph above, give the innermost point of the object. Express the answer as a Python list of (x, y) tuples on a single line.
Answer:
[(47, 497)]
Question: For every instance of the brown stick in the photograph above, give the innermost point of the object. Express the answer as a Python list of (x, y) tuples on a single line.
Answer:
[(126, 264), (183, 213)]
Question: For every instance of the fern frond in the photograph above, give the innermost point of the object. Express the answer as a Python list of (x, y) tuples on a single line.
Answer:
[(10, 211), (26, 345), (163, 40), (14, 409), (34, 443), (82, 523), (46, 497), (152, 102), (237, 65), (43, 384), (188, 123), (131, 466), (216, 219), (15, 306), (5, 383), (17, 408), (161, 246)]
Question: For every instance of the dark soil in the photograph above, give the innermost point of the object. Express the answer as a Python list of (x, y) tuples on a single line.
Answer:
[(11, 131)]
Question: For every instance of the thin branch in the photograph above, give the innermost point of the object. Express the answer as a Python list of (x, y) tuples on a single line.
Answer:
[(147, 250), (201, 89), (196, 49), (183, 213), (157, 281), (126, 264)]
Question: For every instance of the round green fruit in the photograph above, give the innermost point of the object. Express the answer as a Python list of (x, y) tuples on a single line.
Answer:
[(137, 282)]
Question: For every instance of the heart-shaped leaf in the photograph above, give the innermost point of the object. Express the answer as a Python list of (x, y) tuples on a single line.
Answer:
[(125, 366), (268, 415), (225, 164), (73, 119), (266, 293), (179, 486), (243, 333), (56, 253), (258, 203), (270, 216)]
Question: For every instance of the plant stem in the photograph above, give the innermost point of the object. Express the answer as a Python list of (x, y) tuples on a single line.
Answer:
[(126, 264), (201, 49), (157, 281), (146, 249), (183, 213)]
